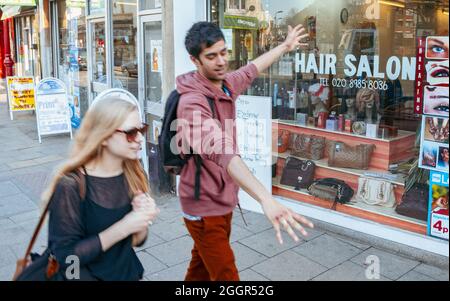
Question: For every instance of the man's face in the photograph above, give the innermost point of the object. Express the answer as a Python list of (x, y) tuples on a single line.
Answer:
[(213, 61)]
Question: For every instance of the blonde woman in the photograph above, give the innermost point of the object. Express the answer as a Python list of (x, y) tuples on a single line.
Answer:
[(100, 208)]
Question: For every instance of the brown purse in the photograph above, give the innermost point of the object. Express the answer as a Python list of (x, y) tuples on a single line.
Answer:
[(283, 141), (306, 146), (52, 267), (345, 156), (21, 264)]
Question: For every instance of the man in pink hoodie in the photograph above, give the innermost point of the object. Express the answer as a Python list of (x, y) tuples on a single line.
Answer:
[(223, 172)]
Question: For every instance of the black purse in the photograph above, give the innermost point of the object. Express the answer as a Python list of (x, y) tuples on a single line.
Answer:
[(333, 190), (415, 202), (298, 173)]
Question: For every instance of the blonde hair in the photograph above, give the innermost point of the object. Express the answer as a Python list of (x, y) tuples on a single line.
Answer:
[(100, 122)]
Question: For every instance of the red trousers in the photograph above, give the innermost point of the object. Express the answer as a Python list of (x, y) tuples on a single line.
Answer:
[(212, 256)]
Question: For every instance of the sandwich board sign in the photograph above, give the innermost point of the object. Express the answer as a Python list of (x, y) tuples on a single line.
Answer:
[(20, 94), (127, 96), (52, 108)]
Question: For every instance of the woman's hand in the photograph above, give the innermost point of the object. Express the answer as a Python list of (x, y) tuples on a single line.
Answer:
[(142, 202)]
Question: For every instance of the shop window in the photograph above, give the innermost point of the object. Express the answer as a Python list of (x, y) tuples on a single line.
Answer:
[(97, 7), (124, 45), (72, 56), (149, 4), (353, 82)]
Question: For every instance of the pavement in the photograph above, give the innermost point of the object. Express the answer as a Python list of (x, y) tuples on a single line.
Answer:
[(327, 254)]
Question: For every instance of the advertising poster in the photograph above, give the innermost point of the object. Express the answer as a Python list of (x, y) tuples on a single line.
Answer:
[(254, 137), (420, 75), (156, 55), (434, 146), (52, 108), (21, 94), (435, 120), (438, 205)]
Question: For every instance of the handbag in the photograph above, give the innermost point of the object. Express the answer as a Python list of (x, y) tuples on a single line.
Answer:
[(345, 156), (35, 267), (376, 192), (415, 202), (306, 146), (283, 141), (298, 173), (45, 266), (333, 190)]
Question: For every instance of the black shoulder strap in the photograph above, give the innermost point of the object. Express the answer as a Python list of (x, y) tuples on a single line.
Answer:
[(198, 159), (211, 105)]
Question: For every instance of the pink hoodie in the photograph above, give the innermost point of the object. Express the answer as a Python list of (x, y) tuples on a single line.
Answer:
[(218, 191)]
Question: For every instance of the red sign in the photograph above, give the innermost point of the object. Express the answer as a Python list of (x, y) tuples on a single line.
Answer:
[(420, 75)]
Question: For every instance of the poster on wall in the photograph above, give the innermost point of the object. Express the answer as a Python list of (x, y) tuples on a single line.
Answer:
[(438, 205), (156, 55), (20, 94), (52, 108), (435, 121), (434, 146), (254, 136)]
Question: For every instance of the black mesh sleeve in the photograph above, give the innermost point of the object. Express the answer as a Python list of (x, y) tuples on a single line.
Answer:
[(66, 226)]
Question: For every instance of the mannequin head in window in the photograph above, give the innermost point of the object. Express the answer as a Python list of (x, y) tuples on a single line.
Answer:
[(206, 46)]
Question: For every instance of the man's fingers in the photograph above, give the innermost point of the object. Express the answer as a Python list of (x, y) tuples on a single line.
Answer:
[(302, 220), (288, 228), (276, 226)]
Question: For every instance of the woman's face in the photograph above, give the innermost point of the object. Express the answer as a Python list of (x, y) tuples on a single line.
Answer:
[(437, 48), (118, 144), (437, 72), (436, 100)]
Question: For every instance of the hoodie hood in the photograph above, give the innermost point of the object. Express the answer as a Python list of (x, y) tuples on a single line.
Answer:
[(194, 82)]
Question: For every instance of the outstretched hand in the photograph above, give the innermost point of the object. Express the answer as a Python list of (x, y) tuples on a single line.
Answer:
[(281, 216), (295, 37)]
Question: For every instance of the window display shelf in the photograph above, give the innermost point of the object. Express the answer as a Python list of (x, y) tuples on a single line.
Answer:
[(386, 152), (400, 179), (378, 214), (401, 134)]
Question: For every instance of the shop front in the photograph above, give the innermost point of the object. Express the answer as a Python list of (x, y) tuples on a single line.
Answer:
[(99, 45), (346, 108)]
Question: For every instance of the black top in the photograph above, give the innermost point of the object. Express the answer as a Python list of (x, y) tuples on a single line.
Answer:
[(74, 226)]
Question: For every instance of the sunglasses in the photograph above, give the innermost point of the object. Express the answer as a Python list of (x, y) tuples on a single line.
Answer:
[(131, 134)]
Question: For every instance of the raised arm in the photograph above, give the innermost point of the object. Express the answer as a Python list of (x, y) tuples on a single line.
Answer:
[(293, 41)]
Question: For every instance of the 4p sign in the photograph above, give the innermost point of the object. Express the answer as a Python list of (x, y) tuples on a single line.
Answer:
[(438, 205)]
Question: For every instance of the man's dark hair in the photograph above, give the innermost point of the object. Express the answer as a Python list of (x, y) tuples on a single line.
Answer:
[(202, 35)]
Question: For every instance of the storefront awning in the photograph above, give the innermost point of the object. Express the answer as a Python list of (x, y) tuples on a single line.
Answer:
[(10, 11), (17, 3), (241, 22)]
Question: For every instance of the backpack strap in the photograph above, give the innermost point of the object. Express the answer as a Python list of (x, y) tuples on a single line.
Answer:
[(198, 159)]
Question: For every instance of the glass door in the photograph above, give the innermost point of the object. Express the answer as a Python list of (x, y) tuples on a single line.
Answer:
[(151, 56), (97, 57)]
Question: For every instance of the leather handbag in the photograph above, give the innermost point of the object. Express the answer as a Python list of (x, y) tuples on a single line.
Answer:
[(345, 156), (376, 192), (298, 173), (415, 202), (35, 267), (45, 266), (306, 146), (283, 141), (333, 190)]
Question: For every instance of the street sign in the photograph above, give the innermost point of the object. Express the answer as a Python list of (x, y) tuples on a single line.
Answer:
[(20, 94)]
